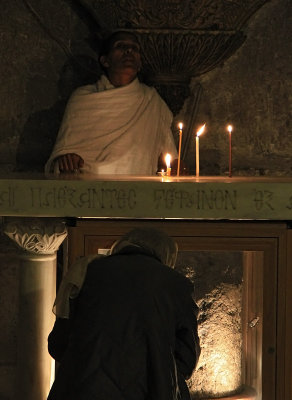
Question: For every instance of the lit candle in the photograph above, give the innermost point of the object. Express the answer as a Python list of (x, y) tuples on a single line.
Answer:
[(167, 161), (161, 173), (180, 125), (229, 128), (200, 131)]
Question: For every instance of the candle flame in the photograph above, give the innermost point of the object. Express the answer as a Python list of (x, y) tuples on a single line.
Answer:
[(180, 125), (167, 160), (201, 130), (229, 128)]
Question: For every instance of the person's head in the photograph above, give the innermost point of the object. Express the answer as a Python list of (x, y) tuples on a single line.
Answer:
[(156, 242), (120, 54)]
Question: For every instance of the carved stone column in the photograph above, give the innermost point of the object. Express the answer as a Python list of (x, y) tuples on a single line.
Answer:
[(39, 238)]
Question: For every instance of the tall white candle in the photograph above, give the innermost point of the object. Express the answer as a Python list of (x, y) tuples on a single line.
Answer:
[(200, 131), (180, 125), (229, 128)]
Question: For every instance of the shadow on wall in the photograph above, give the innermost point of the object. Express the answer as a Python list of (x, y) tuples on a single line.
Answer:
[(40, 131)]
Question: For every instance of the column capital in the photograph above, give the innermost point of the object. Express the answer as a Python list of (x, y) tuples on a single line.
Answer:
[(39, 240), (39, 236)]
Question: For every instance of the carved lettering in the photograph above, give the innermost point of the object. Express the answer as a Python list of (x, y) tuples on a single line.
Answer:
[(91, 198), (132, 199), (158, 197), (263, 199), (205, 200), (289, 206), (95, 198), (185, 199), (36, 197), (231, 199), (71, 194), (50, 199), (169, 198), (7, 197), (200, 199), (217, 199)]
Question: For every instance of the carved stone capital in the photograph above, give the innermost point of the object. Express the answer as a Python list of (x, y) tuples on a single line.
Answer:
[(172, 14), (39, 236)]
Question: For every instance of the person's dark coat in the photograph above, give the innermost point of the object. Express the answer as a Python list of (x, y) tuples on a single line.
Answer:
[(132, 336)]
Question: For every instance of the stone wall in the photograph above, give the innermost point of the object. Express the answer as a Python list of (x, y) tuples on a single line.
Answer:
[(252, 91), (46, 53), (217, 279), (48, 49)]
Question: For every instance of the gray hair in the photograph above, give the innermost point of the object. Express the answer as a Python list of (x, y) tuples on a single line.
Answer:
[(156, 242)]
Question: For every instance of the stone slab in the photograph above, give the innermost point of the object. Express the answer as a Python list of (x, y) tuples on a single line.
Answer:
[(147, 197)]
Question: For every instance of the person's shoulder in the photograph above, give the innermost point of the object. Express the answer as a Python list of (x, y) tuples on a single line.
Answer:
[(96, 259), (148, 89), (152, 92), (170, 272), (84, 90), (180, 278)]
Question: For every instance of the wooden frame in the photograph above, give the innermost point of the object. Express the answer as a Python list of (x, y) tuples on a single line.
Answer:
[(267, 250)]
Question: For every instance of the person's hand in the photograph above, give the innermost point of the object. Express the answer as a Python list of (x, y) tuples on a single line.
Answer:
[(69, 163)]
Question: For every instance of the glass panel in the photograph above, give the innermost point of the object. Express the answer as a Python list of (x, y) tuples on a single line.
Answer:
[(218, 283)]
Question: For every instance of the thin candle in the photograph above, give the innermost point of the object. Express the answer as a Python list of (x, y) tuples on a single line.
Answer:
[(180, 126), (200, 131), (229, 128), (167, 161)]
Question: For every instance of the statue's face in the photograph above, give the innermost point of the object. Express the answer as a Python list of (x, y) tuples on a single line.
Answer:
[(124, 54)]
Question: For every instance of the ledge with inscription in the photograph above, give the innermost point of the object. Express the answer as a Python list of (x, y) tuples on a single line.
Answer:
[(80, 195)]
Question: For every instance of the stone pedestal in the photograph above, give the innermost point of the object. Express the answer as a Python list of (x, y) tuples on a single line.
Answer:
[(39, 239)]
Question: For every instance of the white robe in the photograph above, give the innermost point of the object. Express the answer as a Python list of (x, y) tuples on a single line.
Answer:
[(115, 130)]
